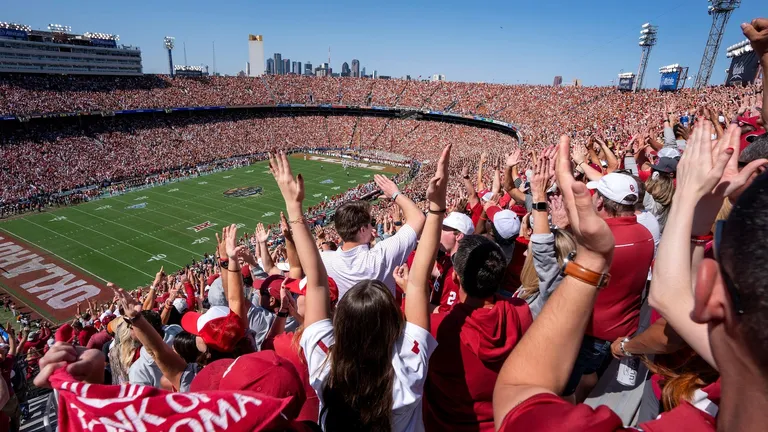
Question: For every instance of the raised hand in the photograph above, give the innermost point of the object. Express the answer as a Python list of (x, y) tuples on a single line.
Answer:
[(285, 229), (387, 186), (261, 234), (540, 178), (84, 365), (513, 158), (229, 235), (557, 210), (593, 236), (292, 188), (131, 307), (401, 276), (436, 190), (579, 154), (757, 33)]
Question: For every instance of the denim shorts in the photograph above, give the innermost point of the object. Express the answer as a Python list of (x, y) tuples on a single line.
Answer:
[(592, 354)]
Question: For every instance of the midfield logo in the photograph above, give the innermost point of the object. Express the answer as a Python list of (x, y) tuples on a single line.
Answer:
[(243, 191), (137, 206), (202, 226)]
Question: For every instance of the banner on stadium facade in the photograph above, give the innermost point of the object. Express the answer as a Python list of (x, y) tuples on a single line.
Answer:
[(743, 69), (626, 83), (12, 33), (104, 43), (669, 81)]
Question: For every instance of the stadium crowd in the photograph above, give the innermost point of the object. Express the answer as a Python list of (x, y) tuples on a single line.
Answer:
[(499, 286)]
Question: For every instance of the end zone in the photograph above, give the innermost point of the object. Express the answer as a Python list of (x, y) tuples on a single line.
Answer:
[(48, 285)]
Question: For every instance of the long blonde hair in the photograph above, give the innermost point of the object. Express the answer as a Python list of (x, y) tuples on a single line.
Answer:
[(662, 188), (529, 279)]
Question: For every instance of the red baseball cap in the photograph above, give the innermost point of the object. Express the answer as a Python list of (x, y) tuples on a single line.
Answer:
[(211, 278), (65, 333), (262, 372), (272, 284), (299, 287), (219, 327)]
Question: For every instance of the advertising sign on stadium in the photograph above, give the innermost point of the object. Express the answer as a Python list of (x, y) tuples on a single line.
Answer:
[(104, 43), (669, 81), (743, 69), (626, 83), (12, 33)]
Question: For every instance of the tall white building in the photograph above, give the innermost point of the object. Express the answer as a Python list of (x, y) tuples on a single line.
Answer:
[(438, 77), (256, 55)]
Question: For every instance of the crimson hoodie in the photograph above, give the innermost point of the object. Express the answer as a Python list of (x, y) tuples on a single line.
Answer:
[(472, 345)]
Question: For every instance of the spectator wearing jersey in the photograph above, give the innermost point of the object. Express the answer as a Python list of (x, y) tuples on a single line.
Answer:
[(445, 292), (617, 308), (356, 260), (473, 340), (368, 327)]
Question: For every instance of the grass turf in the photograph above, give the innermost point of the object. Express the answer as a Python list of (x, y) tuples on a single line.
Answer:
[(112, 241)]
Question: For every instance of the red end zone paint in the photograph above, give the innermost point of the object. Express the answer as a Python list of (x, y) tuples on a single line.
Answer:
[(45, 283)]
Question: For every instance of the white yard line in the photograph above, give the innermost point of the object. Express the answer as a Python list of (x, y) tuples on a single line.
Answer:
[(56, 255)]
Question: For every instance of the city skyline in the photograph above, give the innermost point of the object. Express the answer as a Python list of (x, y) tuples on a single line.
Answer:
[(400, 38)]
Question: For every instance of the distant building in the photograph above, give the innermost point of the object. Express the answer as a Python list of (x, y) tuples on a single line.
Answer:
[(375, 74), (438, 77), (296, 68), (247, 68), (286, 66), (278, 64), (256, 55), (558, 81), (345, 71), (271, 66), (362, 72), (576, 82), (242, 74), (308, 68), (356, 68)]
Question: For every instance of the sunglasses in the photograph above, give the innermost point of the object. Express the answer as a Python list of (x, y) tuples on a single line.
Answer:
[(733, 288)]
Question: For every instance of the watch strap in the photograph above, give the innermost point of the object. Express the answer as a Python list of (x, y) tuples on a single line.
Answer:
[(579, 272), (540, 206)]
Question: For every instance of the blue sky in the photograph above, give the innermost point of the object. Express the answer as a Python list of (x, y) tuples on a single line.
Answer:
[(503, 42)]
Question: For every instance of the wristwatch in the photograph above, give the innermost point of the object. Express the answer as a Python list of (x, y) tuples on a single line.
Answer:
[(540, 206), (624, 350), (577, 271)]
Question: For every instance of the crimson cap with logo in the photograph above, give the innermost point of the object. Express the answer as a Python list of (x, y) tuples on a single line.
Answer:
[(460, 222), (262, 372), (506, 222), (299, 287), (616, 187), (219, 327)]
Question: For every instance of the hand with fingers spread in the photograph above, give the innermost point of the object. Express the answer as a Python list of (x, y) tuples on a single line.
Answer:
[(757, 33), (513, 158), (579, 154), (229, 235), (292, 188), (262, 235), (540, 178)]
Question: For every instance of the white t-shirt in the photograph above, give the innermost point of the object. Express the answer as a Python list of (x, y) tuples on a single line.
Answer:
[(409, 361), (359, 263), (650, 222)]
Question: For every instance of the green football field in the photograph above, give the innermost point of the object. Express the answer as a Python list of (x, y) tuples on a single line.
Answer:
[(125, 239)]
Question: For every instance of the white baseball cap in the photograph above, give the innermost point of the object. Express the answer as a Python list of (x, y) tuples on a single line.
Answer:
[(669, 152), (506, 222), (616, 187), (459, 222), (487, 196)]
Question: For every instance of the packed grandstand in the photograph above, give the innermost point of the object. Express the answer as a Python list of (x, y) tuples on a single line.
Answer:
[(526, 296)]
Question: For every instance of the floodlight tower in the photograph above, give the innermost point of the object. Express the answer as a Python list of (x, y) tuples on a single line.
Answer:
[(168, 41), (647, 41), (720, 11)]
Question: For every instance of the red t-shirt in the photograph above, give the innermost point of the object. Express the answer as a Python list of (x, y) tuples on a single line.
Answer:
[(617, 308), (282, 344), (547, 412), (472, 347), (515, 267), (445, 292), (475, 212)]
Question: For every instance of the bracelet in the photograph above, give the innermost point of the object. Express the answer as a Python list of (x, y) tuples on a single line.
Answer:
[(623, 350), (282, 314), (437, 212), (398, 223), (395, 195), (702, 239), (233, 271), (301, 220)]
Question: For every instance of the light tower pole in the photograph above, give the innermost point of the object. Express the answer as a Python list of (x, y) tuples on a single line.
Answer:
[(647, 41), (168, 41), (720, 11)]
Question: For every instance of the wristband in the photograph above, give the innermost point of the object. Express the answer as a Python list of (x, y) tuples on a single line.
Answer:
[(395, 195), (282, 314), (437, 212), (398, 223), (224, 263), (702, 239), (301, 220)]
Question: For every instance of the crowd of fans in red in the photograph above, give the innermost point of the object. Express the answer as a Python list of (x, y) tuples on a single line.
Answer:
[(500, 284)]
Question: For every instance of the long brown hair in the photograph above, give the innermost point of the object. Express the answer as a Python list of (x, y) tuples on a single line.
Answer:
[(679, 383), (366, 326), (564, 244)]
